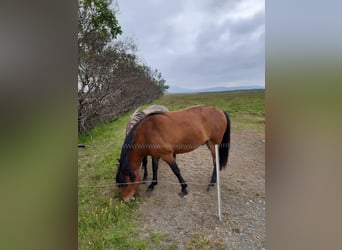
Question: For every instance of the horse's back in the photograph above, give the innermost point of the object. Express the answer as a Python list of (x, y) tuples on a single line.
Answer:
[(200, 116)]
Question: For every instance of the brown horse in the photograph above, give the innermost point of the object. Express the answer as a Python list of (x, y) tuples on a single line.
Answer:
[(136, 117), (166, 134)]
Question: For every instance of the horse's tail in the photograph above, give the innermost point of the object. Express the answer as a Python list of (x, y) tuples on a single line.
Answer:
[(225, 144)]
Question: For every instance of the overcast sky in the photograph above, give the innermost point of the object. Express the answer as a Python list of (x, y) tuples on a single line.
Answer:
[(199, 43)]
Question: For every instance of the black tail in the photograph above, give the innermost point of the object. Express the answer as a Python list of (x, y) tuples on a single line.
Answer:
[(224, 146)]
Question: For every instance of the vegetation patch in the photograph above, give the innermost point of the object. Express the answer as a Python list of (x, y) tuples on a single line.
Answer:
[(104, 222), (198, 240)]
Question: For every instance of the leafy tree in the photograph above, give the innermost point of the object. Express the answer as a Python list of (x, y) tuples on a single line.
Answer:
[(111, 80), (96, 18)]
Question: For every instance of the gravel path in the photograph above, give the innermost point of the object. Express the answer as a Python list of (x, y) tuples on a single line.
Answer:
[(192, 222)]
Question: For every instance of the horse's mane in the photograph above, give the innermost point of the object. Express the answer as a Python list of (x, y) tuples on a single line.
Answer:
[(124, 166), (155, 108), (137, 116)]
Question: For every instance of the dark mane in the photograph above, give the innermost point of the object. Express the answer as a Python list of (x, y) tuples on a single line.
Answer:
[(124, 166)]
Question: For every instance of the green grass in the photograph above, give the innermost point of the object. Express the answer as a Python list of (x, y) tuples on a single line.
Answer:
[(245, 108), (106, 223), (103, 221)]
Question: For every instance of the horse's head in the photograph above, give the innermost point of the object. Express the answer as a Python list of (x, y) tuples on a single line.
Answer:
[(128, 181), (128, 191)]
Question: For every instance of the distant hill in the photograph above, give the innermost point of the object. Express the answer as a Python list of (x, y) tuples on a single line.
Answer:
[(176, 89)]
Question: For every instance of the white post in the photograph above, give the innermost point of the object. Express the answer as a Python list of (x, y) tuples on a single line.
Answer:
[(218, 180)]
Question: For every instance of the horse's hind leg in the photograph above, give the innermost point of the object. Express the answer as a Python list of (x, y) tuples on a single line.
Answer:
[(155, 174), (213, 176), (144, 164), (175, 169)]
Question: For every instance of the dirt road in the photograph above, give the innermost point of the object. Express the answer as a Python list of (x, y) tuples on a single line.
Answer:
[(192, 222)]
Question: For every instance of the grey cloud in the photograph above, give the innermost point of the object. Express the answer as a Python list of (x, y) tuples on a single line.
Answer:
[(213, 54)]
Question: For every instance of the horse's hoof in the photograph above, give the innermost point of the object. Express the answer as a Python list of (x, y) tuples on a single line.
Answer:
[(183, 193), (210, 186), (149, 189)]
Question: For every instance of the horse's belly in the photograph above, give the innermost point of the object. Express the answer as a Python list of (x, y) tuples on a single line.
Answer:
[(185, 148)]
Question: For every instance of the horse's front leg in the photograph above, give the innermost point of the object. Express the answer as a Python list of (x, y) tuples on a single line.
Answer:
[(144, 165), (155, 174)]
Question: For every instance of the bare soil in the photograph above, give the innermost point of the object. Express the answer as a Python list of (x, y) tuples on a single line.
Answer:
[(192, 222)]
